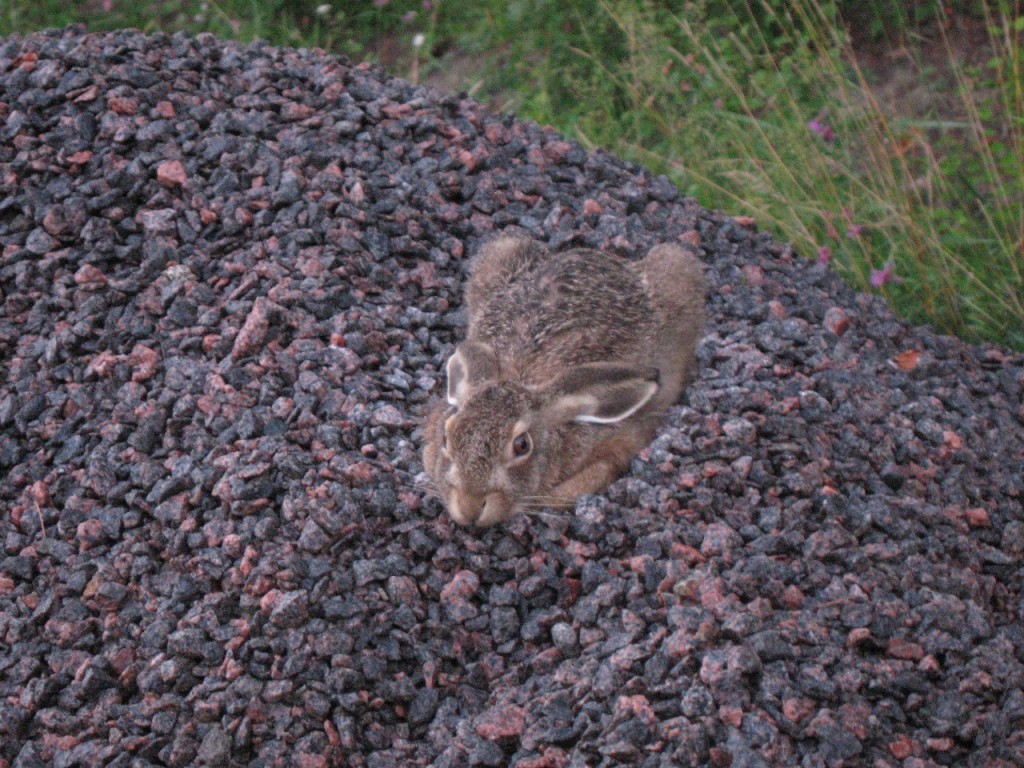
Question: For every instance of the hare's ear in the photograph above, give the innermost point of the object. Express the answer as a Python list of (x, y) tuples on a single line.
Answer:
[(602, 393), (471, 364)]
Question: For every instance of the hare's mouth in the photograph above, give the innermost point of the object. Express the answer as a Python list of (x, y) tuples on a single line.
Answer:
[(481, 511)]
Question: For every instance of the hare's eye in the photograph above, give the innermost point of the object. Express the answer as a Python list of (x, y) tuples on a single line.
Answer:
[(522, 444)]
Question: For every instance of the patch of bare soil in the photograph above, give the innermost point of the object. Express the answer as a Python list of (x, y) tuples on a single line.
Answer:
[(915, 77), (448, 68)]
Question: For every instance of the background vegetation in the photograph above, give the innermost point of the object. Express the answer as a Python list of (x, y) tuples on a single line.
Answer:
[(886, 136)]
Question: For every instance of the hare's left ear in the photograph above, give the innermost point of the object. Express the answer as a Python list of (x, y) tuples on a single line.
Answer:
[(602, 393), (471, 364)]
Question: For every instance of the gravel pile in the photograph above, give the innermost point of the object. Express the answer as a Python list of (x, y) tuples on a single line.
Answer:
[(229, 279)]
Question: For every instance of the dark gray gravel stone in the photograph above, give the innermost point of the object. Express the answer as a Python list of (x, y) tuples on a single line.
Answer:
[(230, 277)]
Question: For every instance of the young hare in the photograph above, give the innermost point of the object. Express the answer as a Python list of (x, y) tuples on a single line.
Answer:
[(570, 361)]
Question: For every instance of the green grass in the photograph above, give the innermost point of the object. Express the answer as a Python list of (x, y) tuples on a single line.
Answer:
[(282, 22), (756, 107)]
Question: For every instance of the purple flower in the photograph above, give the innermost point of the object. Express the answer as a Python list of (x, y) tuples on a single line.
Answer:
[(886, 274), (854, 231), (824, 255), (822, 129)]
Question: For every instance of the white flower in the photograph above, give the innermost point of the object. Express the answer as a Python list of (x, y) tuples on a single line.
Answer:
[(418, 40), (323, 10)]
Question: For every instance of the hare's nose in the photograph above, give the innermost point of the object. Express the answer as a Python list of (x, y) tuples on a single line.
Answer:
[(465, 508)]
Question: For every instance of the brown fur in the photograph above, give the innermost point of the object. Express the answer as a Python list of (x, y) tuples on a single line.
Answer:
[(534, 318)]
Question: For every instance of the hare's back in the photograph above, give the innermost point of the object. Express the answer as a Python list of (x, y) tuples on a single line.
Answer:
[(675, 279), (574, 307)]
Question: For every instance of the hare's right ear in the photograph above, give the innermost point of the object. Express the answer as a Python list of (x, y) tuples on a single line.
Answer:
[(470, 364), (602, 393)]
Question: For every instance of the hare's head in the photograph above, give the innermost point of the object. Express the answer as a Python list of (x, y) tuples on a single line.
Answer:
[(497, 447)]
